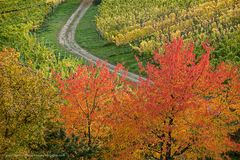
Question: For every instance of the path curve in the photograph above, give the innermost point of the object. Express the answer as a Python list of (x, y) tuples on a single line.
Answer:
[(66, 38)]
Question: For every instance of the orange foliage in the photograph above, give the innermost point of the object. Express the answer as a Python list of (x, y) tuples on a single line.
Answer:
[(185, 108), (89, 93)]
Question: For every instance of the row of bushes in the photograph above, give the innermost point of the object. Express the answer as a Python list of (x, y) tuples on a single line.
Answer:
[(148, 24), (15, 32)]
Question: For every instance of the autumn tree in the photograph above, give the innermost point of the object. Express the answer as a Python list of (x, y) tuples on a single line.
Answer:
[(185, 109), (27, 104), (88, 93)]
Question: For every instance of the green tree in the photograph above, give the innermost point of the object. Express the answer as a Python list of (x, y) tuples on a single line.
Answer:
[(27, 104)]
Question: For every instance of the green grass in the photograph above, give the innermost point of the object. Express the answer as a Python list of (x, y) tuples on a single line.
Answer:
[(88, 38), (48, 32)]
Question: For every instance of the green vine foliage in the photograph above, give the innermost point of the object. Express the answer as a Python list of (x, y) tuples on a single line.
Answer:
[(18, 21), (148, 24)]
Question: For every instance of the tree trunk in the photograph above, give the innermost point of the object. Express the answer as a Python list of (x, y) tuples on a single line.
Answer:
[(169, 146), (169, 142), (89, 131)]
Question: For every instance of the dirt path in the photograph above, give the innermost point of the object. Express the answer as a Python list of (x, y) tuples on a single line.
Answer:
[(66, 38)]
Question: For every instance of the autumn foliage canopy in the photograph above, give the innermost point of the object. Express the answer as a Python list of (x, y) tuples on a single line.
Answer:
[(89, 93), (189, 106), (28, 103), (185, 108)]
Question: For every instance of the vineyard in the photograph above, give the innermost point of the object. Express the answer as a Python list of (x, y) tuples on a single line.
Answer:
[(183, 105), (148, 24), (18, 21)]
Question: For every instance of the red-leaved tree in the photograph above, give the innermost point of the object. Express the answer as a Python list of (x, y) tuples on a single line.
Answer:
[(185, 109), (89, 93)]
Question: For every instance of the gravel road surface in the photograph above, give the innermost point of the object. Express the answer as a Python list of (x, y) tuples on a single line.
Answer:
[(66, 38)]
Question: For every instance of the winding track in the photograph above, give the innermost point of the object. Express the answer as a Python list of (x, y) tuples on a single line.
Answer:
[(66, 38)]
